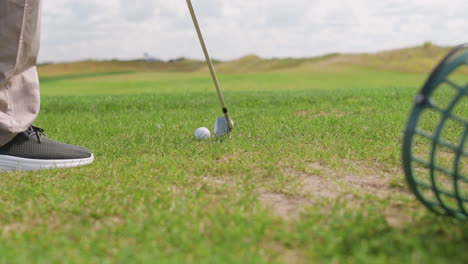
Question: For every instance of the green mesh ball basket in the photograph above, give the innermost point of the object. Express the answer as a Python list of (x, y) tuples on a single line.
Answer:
[(435, 154)]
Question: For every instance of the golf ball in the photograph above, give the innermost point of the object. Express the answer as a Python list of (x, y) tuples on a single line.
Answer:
[(202, 133)]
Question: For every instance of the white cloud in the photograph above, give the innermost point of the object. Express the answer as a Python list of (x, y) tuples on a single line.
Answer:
[(271, 28)]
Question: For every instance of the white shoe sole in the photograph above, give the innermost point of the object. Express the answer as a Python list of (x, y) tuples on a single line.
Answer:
[(10, 163)]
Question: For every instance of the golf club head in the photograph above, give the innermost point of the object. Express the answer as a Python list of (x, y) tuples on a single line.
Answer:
[(221, 127)]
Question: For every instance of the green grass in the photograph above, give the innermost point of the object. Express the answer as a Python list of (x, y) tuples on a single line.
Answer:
[(109, 83), (155, 194)]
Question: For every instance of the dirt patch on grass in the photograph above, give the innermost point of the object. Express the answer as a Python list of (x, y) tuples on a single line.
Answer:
[(359, 179), (279, 253), (216, 180), (395, 217), (320, 183), (106, 222), (13, 228), (285, 206)]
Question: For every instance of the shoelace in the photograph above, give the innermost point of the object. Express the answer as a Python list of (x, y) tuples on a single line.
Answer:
[(37, 131)]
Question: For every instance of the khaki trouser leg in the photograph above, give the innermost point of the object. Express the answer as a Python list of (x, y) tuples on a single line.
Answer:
[(19, 83)]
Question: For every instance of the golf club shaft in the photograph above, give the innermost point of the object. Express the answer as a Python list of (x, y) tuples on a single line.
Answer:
[(210, 64)]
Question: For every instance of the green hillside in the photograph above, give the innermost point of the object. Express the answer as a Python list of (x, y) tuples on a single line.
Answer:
[(93, 66), (419, 59)]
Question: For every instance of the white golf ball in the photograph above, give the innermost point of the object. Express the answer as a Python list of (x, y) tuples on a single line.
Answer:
[(202, 133)]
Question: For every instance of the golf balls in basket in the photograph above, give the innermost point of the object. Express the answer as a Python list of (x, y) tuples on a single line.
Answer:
[(202, 133)]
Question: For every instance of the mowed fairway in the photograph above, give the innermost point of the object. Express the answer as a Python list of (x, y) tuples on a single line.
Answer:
[(311, 173)]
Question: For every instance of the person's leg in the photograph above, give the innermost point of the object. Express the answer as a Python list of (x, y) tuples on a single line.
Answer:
[(22, 145), (19, 48)]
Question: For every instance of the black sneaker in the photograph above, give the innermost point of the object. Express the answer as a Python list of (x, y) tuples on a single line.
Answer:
[(31, 150)]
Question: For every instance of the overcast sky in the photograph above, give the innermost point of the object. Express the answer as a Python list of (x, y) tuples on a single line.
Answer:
[(105, 29)]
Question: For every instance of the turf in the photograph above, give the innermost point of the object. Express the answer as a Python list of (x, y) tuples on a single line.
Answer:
[(155, 194)]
